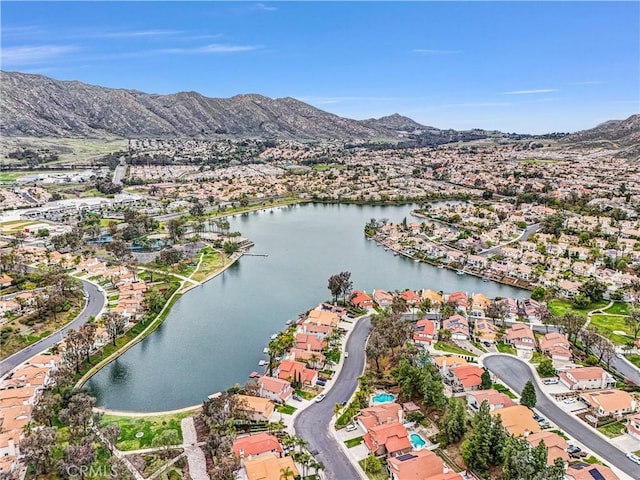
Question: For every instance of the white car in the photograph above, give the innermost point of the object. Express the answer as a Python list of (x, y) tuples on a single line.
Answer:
[(550, 381), (346, 354), (569, 400), (634, 458), (351, 427), (319, 398)]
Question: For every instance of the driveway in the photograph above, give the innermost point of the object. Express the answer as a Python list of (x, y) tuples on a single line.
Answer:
[(313, 423), (95, 302), (515, 374)]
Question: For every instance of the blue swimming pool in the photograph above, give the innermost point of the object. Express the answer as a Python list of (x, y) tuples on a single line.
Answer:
[(417, 442), (383, 398)]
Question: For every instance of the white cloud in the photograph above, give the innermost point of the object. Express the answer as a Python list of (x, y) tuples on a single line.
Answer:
[(35, 54), (142, 33), (531, 92), (430, 51), (266, 8), (212, 48)]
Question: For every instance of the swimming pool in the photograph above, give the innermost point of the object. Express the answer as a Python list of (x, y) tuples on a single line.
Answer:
[(417, 442), (382, 398)]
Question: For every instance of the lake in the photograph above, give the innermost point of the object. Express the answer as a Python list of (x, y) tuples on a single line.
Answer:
[(214, 335)]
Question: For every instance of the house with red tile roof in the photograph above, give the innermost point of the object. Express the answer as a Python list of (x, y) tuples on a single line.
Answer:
[(293, 371), (495, 399), (389, 439), (586, 471), (510, 307), (320, 331), (420, 465), (424, 332), (361, 299), (323, 317), (274, 389), (466, 378), (459, 299), (5, 280), (633, 426), (586, 378), (458, 326), (255, 445), (382, 298), (610, 403), (411, 297), (556, 345), (521, 336), (309, 342), (380, 415), (310, 358), (556, 445), (485, 331)]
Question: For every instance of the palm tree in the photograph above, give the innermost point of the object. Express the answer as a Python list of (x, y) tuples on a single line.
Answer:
[(286, 473), (336, 409)]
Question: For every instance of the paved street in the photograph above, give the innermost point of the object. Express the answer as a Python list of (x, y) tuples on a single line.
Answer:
[(515, 374), (95, 302), (312, 424)]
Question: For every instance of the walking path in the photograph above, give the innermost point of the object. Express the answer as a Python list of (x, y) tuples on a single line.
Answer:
[(195, 455)]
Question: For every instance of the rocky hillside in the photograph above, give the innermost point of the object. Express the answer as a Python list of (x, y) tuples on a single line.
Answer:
[(622, 134), (397, 123), (34, 105)]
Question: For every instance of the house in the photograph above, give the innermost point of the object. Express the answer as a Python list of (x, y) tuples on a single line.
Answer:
[(323, 317), (380, 415), (587, 378), (361, 299), (5, 280), (309, 342), (419, 465), (608, 403), (459, 299), (389, 439), (434, 297), (586, 471), (521, 336), (270, 467), (293, 371), (633, 426), (485, 331), (411, 297), (444, 362), (556, 445), (458, 326), (28, 376), (476, 261), (424, 332), (466, 378), (479, 304), (494, 398), (310, 358), (274, 389), (9, 306), (258, 444), (320, 331), (510, 308), (382, 298), (517, 420), (556, 345), (257, 408)]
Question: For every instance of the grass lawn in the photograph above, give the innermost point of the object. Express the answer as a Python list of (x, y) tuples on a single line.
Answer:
[(635, 359), (451, 348), (286, 409), (304, 394), (9, 177), (537, 357), (612, 430), (353, 442), (381, 475), (560, 307), (607, 325), (561, 433), (479, 346), (502, 389), (212, 261), (618, 308), (104, 222), (504, 348), (149, 426)]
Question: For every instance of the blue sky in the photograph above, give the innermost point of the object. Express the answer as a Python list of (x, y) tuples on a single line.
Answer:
[(514, 66)]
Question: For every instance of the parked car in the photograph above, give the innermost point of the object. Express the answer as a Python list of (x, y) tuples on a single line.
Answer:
[(634, 458), (351, 427), (321, 382), (296, 398), (346, 354), (537, 417), (569, 400), (573, 449), (550, 381), (319, 398)]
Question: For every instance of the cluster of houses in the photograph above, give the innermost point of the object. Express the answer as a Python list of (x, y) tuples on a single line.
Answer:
[(19, 392)]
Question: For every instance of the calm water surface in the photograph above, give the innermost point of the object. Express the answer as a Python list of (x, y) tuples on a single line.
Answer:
[(214, 336)]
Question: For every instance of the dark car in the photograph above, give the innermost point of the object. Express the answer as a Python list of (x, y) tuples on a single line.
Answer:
[(321, 382), (296, 398)]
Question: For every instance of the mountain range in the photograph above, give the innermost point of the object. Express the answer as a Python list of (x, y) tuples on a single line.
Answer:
[(35, 105)]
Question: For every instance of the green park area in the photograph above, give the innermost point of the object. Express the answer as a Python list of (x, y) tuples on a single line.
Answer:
[(147, 432)]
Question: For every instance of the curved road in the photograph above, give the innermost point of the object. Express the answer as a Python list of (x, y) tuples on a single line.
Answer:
[(95, 302), (515, 373), (313, 423)]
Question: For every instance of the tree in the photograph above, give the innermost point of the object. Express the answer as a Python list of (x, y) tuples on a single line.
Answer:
[(166, 438), (486, 380), (119, 470), (37, 449), (111, 433), (169, 256), (455, 422), (408, 377), (197, 209), (528, 397), (593, 289), (77, 459), (589, 337), (372, 464), (346, 285), (118, 248), (607, 350), (571, 323), (545, 368), (476, 450), (176, 229), (633, 321), (376, 347), (114, 323), (44, 411), (230, 248), (335, 286), (538, 293), (78, 415)]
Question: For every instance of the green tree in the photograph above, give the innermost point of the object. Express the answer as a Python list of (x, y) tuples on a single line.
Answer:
[(455, 422), (538, 293), (528, 397), (476, 449), (486, 380), (545, 368), (633, 321), (593, 289)]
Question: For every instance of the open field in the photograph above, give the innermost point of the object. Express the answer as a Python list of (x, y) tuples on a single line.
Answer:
[(611, 327), (139, 432), (9, 177), (560, 307), (69, 150)]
